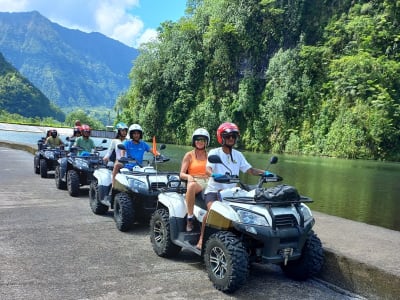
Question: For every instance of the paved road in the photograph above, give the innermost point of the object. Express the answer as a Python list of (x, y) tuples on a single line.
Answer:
[(53, 247)]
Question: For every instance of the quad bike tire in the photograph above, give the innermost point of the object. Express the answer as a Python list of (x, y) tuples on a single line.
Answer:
[(36, 167), (60, 184), (124, 212), (227, 261), (310, 262), (160, 235), (43, 168), (96, 206), (73, 183)]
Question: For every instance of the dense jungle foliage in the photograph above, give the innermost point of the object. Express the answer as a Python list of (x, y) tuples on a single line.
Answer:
[(19, 96), (315, 77)]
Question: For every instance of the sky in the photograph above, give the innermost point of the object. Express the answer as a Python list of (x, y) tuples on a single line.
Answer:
[(131, 22)]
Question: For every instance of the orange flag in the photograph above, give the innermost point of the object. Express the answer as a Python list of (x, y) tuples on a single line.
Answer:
[(154, 146)]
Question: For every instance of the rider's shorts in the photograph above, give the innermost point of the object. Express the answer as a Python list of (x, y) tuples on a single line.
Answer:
[(211, 197), (202, 181)]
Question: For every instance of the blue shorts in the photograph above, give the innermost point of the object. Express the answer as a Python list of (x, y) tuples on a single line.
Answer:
[(211, 197)]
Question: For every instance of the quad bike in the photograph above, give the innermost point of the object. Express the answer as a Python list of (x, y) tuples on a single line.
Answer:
[(134, 196), (75, 171), (249, 224), (46, 158)]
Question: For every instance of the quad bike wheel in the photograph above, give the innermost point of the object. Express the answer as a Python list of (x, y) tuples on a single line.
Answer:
[(310, 262), (36, 167), (60, 184), (73, 183), (160, 235), (124, 213), (43, 168), (97, 207), (226, 261)]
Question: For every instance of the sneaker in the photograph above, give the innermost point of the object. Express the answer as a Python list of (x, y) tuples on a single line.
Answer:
[(189, 224)]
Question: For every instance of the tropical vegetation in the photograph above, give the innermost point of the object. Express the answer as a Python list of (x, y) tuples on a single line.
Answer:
[(310, 77), (19, 96)]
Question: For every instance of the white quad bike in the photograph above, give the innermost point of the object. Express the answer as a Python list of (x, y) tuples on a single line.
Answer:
[(134, 196), (249, 224)]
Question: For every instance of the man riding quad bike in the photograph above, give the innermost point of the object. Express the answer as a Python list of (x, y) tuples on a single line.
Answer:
[(77, 169), (50, 149), (246, 224), (133, 196)]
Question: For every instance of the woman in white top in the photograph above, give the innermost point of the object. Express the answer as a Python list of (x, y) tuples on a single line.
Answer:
[(113, 153)]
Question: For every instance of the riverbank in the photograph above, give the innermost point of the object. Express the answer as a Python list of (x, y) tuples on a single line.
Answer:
[(359, 258)]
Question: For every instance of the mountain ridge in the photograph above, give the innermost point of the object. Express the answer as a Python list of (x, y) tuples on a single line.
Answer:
[(31, 102), (72, 68)]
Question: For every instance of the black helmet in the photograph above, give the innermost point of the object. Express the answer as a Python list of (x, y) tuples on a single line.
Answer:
[(53, 133)]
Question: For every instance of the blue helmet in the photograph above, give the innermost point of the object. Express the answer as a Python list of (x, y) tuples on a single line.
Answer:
[(121, 126)]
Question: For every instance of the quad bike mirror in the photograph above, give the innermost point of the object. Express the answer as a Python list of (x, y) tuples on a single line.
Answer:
[(121, 147), (214, 159), (273, 160), (162, 146)]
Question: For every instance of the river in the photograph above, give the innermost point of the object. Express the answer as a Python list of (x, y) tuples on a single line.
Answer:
[(360, 190)]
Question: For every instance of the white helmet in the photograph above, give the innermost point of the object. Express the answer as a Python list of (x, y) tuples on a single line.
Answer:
[(135, 127), (201, 132)]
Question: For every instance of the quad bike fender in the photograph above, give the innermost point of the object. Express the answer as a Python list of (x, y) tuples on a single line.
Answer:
[(174, 202), (63, 167), (199, 213), (221, 216), (103, 176), (121, 179)]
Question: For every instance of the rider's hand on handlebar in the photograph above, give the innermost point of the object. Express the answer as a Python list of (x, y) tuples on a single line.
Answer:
[(268, 174), (216, 175)]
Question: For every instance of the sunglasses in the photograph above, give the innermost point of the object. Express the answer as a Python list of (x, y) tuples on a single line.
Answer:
[(230, 136), (200, 140)]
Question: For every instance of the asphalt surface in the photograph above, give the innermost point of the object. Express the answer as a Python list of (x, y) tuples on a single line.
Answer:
[(53, 247)]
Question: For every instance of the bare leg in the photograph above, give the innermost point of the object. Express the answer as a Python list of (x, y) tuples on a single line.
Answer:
[(192, 189), (203, 226), (117, 167)]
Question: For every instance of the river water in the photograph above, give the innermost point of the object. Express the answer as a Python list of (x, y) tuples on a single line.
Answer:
[(360, 190)]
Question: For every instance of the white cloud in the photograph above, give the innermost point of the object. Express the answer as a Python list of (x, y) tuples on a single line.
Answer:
[(150, 35), (109, 17), (114, 21), (12, 5)]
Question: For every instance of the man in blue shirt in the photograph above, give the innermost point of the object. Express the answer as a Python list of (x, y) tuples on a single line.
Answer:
[(135, 147)]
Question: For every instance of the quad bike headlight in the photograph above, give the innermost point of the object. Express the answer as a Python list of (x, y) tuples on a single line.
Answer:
[(306, 213), (137, 185), (251, 218)]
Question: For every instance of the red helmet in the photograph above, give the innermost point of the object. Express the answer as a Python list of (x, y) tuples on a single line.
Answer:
[(226, 128), (85, 127)]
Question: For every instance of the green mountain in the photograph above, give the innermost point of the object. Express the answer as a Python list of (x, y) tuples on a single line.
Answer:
[(19, 95), (70, 67)]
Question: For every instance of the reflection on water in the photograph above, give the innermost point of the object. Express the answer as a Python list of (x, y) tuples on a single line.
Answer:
[(365, 191)]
